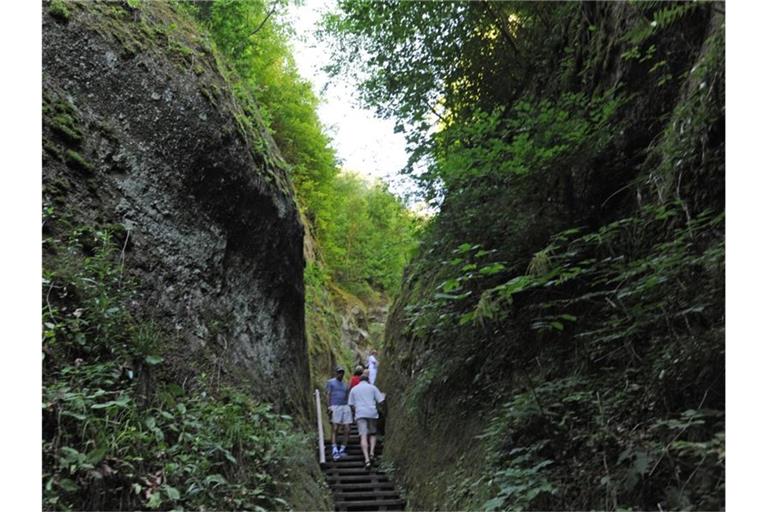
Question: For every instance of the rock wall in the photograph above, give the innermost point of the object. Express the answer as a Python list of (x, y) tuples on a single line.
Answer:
[(141, 133), (470, 404)]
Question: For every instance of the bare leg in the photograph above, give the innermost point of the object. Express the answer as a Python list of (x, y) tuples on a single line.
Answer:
[(346, 434), (373, 445), (364, 445), (333, 434)]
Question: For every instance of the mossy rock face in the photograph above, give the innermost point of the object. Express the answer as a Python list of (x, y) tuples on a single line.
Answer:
[(53, 150), (64, 126), (63, 120), (76, 161), (125, 124)]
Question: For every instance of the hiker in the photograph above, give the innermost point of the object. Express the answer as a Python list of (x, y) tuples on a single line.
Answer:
[(363, 399), (373, 366), (355, 380), (341, 415)]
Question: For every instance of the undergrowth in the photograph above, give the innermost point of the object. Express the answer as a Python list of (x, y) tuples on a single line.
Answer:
[(622, 370), (116, 434)]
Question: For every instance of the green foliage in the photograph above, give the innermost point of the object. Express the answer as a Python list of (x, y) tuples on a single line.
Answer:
[(59, 10), (520, 483), (575, 271), (370, 237), (255, 41), (188, 451), (452, 59), (323, 326), (536, 136), (663, 15), (364, 233), (637, 283), (617, 297), (114, 436)]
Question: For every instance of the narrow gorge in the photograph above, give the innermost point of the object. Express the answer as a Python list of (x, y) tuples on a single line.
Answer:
[(543, 281)]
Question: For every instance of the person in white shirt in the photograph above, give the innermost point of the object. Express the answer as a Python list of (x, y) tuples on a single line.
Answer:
[(362, 400), (373, 366)]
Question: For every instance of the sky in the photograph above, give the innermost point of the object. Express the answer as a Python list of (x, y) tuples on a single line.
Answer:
[(364, 143)]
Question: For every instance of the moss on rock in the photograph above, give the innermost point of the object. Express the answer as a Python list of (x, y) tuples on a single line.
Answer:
[(76, 161), (58, 9)]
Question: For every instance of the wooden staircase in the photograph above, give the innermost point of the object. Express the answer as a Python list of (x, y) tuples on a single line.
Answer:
[(355, 488)]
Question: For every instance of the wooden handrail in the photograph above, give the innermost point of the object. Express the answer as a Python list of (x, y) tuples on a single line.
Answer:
[(320, 435)]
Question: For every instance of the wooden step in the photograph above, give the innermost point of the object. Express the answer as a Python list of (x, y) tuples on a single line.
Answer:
[(381, 484), (354, 488), (364, 495), (370, 505), (346, 464), (374, 478), (352, 471)]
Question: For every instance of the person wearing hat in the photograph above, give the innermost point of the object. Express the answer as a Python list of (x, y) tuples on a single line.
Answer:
[(336, 396)]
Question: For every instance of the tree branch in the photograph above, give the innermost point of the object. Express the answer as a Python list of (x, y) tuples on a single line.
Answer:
[(261, 25), (441, 118), (269, 14)]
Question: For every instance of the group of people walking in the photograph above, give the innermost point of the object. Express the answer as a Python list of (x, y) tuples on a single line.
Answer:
[(357, 400)]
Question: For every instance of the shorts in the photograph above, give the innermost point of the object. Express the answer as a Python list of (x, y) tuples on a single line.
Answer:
[(366, 426), (341, 414)]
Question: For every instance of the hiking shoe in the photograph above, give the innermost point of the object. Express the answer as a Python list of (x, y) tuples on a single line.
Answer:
[(368, 465)]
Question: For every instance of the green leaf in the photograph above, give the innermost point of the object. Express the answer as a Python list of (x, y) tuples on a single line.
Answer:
[(172, 492), (557, 325), (493, 268), (467, 318), (68, 485), (96, 455), (155, 500), (75, 415), (119, 403), (215, 479), (153, 360), (450, 285)]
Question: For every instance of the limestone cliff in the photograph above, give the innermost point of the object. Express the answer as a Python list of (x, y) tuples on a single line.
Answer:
[(142, 132)]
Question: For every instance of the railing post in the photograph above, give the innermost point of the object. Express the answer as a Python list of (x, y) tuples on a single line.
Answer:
[(320, 435)]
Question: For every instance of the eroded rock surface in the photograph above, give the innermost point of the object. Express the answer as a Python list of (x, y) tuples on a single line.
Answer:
[(150, 141)]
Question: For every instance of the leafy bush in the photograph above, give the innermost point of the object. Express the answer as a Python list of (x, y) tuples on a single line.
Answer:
[(114, 437)]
